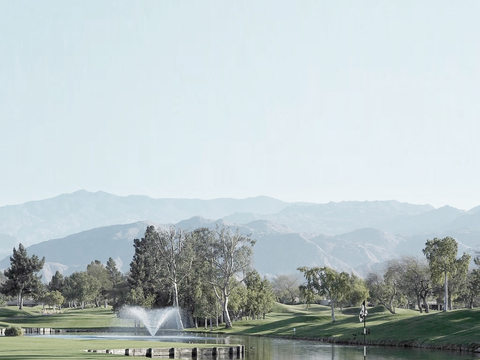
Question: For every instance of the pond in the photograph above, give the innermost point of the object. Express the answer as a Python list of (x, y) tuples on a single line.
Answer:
[(282, 349), (264, 348)]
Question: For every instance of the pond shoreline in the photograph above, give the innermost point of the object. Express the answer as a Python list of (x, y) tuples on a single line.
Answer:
[(471, 348)]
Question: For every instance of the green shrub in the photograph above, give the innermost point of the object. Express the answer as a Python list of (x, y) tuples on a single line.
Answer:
[(13, 331)]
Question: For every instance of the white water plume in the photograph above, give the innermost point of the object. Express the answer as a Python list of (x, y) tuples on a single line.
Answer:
[(154, 319)]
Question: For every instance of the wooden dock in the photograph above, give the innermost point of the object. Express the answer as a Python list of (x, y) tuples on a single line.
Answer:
[(216, 352)]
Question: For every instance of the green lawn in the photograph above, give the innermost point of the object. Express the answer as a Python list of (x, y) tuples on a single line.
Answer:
[(408, 327), (89, 318), (38, 348)]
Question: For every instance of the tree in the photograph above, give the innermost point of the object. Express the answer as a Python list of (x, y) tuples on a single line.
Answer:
[(174, 253), (98, 271), (416, 280), (238, 301), (144, 269), (286, 288), (266, 297), (228, 254), (115, 277), (385, 289), (82, 287), (40, 295), (328, 282), (54, 298), (198, 296), (22, 278), (458, 283), (259, 297), (56, 283), (357, 291), (472, 291), (441, 255)]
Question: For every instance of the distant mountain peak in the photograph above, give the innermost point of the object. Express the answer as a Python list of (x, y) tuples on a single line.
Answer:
[(268, 226), (193, 223)]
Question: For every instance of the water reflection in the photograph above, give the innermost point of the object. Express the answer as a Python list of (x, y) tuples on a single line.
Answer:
[(264, 348), (259, 348)]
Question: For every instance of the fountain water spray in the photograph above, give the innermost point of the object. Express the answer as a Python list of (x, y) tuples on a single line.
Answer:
[(154, 319)]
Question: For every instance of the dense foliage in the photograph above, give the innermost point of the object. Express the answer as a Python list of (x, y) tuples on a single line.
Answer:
[(13, 331), (206, 272), (336, 287), (200, 271), (440, 280), (21, 276)]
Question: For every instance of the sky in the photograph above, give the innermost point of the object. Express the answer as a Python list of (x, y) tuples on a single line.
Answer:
[(313, 101)]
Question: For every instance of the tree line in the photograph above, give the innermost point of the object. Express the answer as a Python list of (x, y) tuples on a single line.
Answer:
[(209, 274), (206, 272), (441, 278)]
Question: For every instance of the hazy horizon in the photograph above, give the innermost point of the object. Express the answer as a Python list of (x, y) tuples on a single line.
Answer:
[(235, 198), (303, 102)]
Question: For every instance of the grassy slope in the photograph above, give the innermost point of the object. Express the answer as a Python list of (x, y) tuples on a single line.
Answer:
[(450, 330), (38, 348), (407, 327), (68, 319)]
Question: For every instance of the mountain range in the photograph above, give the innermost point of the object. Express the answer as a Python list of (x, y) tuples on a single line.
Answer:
[(71, 230)]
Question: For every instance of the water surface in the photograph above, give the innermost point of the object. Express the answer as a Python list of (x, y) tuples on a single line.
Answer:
[(264, 348)]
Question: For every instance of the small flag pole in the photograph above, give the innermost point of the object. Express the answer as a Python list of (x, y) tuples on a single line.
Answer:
[(364, 340), (363, 318)]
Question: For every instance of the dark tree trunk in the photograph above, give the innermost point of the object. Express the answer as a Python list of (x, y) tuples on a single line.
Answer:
[(20, 300), (425, 304)]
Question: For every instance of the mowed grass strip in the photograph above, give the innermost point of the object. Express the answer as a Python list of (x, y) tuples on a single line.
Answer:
[(88, 318), (405, 328), (50, 348), (39, 348)]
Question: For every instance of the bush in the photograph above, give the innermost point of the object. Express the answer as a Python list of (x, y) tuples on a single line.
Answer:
[(13, 331)]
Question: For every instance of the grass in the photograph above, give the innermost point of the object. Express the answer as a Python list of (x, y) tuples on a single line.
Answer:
[(453, 330), (89, 318), (39, 348)]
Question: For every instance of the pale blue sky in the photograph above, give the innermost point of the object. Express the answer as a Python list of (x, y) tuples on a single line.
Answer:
[(303, 101)]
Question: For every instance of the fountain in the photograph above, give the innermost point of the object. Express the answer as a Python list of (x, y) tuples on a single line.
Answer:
[(154, 319)]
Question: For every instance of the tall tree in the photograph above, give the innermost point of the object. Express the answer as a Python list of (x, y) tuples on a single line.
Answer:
[(54, 299), (174, 252), (327, 282), (357, 291), (472, 290), (56, 283), (253, 282), (82, 287), (143, 278), (116, 278), (415, 280), (385, 289), (21, 276), (458, 283), (286, 288), (266, 297), (406, 279), (98, 271), (441, 255), (229, 254)]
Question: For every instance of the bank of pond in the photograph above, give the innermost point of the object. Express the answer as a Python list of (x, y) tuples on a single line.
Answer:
[(287, 333), (206, 346)]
